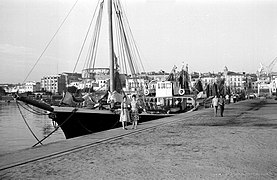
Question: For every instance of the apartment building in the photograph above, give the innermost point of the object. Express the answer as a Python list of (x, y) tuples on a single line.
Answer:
[(54, 83)]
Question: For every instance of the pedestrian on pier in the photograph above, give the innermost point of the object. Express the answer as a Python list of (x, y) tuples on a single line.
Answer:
[(227, 97), (221, 103), (215, 104), (134, 112), (124, 114)]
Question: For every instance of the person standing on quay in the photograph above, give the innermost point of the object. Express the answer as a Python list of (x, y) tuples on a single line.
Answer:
[(134, 112), (215, 105), (221, 103), (124, 114)]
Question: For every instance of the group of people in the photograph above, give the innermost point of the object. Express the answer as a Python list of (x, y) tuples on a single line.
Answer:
[(126, 115), (130, 113), (218, 102)]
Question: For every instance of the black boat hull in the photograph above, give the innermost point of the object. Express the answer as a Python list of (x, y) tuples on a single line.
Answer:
[(83, 122)]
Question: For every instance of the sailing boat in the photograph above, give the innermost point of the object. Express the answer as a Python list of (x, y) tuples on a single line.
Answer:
[(75, 121)]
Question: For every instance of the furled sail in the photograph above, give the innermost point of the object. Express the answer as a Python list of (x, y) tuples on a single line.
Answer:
[(184, 81), (70, 100)]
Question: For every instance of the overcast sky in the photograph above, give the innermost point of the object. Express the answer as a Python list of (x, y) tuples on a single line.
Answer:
[(205, 34)]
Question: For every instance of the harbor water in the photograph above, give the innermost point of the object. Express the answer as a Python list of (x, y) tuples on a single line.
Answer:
[(14, 133)]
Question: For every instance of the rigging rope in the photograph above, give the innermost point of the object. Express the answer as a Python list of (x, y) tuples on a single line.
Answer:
[(27, 123), (51, 40), (126, 49), (85, 38), (94, 42), (95, 45), (132, 37)]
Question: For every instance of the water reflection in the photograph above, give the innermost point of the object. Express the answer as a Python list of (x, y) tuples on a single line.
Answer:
[(14, 134), (47, 129)]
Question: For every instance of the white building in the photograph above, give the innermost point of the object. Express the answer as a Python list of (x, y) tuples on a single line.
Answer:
[(208, 80), (234, 80), (54, 83), (30, 86), (267, 85)]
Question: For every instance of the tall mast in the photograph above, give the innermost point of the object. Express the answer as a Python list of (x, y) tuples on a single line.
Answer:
[(110, 4)]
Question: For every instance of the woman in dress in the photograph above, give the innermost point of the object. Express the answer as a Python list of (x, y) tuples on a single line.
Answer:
[(215, 105), (124, 115), (134, 112)]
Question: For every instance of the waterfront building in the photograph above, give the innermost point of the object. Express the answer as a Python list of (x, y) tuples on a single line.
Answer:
[(254, 86), (100, 84), (209, 78), (54, 83), (21, 88), (31, 86), (72, 77), (96, 78), (18, 89), (251, 85), (157, 76), (205, 78), (13, 88), (92, 74), (236, 81), (77, 84)]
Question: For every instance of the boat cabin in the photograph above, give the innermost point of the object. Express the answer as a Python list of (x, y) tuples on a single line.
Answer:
[(167, 89)]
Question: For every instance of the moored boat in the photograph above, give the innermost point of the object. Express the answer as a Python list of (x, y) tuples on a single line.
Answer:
[(78, 121), (170, 96)]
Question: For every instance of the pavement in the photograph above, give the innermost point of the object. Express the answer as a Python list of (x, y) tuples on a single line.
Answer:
[(194, 145)]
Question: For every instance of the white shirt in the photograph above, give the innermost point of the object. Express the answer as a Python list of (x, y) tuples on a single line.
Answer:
[(215, 101)]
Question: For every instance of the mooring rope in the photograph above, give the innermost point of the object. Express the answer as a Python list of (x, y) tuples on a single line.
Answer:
[(73, 112), (84, 127), (115, 124), (27, 123)]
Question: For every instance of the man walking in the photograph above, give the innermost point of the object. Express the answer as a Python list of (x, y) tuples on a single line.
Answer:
[(221, 103)]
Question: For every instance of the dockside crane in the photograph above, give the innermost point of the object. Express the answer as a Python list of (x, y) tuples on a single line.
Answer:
[(267, 69), (270, 66)]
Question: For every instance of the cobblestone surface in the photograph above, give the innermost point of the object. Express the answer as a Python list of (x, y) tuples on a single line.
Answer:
[(240, 145)]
